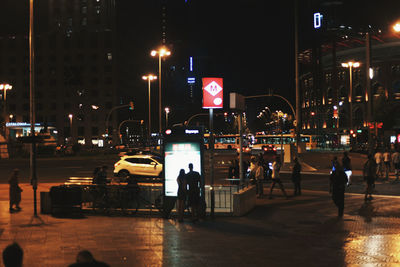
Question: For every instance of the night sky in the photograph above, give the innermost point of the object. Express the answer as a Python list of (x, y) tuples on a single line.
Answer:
[(248, 43)]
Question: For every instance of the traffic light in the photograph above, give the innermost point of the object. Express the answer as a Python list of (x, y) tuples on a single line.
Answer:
[(131, 106)]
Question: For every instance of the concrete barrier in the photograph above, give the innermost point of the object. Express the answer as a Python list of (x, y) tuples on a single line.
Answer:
[(244, 201)]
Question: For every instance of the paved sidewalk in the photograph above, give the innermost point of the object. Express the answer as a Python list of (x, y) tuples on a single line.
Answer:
[(302, 231)]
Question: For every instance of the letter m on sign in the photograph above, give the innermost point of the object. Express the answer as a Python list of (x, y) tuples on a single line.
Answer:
[(213, 93)]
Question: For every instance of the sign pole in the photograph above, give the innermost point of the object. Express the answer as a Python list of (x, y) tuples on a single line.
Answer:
[(32, 108), (211, 145), (241, 150)]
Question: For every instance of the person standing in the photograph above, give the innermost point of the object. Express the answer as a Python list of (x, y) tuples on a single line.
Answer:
[(15, 191), (386, 161), (346, 163), (276, 167), (102, 175), (338, 181), (396, 163), (296, 177), (259, 175), (193, 179), (379, 163), (369, 173), (182, 192)]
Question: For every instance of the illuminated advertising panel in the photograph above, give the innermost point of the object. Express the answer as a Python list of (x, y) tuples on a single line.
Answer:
[(178, 155), (213, 93)]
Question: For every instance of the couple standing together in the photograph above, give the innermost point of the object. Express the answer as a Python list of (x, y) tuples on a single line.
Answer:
[(189, 185)]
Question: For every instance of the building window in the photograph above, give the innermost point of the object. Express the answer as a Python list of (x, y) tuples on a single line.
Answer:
[(84, 9), (109, 56)]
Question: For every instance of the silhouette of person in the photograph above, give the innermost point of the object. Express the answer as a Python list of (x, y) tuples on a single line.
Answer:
[(338, 182), (86, 259), (276, 167), (182, 194), (369, 173), (102, 175), (15, 191), (296, 177), (13, 256), (193, 179)]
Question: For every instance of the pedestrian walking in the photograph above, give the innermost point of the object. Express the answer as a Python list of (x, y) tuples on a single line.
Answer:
[(182, 194), (296, 177), (13, 256), (276, 167), (379, 163), (338, 182), (369, 173), (346, 163), (193, 179), (396, 163), (95, 175), (259, 174), (15, 191), (386, 162)]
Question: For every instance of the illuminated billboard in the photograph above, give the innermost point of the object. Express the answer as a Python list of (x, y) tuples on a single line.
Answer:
[(178, 155), (213, 93)]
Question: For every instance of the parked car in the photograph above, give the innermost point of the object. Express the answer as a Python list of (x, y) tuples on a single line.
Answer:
[(138, 165)]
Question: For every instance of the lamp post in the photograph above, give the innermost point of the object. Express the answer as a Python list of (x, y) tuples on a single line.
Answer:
[(149, 78), (350, 65), (70, 116), (5, 87), (166, 116), (162, 52), (396, 27)]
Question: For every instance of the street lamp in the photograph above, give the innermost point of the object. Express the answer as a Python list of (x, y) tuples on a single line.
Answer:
[(70, 116), (350, 65), (396, 27), (162, 52), (166, 116), (5, 87), (149, 78)]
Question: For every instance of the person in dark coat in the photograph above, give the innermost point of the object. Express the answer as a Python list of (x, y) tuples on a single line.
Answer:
[(193, 179), (13, 256), (369, 173), (338, 182), (182, 194), (296, 177), (86, 259), (15, 191), (102, 176)]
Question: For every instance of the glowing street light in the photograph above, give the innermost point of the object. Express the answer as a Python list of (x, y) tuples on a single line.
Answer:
[(167, 110), (162, 52), (350, 65), (70, 116), (396, 27), (149, 78)]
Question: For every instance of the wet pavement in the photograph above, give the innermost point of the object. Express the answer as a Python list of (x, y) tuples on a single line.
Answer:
[(301, 231)]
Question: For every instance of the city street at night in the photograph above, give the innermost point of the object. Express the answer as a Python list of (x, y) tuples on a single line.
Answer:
[(199, 133), (305, 227)]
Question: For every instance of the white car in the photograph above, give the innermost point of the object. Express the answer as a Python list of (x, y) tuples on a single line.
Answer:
[(138, 165)]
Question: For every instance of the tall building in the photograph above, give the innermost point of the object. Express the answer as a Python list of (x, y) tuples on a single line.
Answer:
[(75, 71)]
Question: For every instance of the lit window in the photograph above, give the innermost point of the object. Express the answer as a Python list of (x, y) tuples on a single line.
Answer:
[(109, 56)]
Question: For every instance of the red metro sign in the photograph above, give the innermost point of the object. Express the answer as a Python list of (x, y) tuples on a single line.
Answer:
[(213, 93)]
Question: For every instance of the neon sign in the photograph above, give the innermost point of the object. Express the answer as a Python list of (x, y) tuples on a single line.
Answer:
[(317, 20)]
